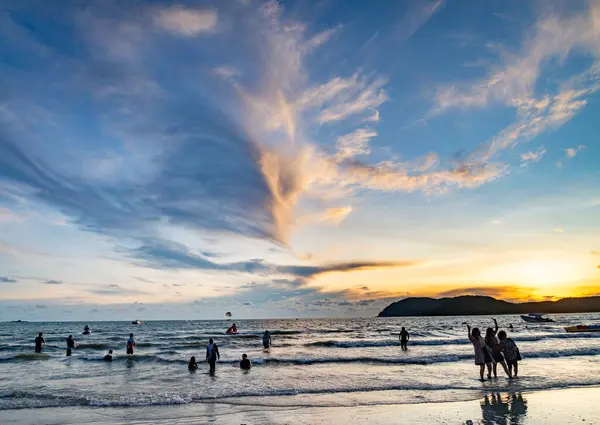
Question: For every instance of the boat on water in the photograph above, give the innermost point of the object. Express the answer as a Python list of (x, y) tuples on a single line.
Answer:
[(137, 322), (536, 318), (583, 328)]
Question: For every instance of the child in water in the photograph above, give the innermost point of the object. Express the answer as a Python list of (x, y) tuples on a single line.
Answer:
[(192, 364), (245, 364), (511, 353), (482, 357)]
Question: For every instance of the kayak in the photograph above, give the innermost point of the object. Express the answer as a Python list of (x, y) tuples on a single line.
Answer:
[(583, 328)]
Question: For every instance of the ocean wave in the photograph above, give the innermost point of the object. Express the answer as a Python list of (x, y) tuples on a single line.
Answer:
[(168, 357), (25, 399), (24, 357)]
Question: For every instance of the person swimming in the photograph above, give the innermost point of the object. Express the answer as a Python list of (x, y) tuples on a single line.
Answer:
[(108, 357), (404, 337), (39, 341), (70, 345), (192, 365), (130, 344), (212, 355), (245, 363), (232, 329), (266, 339)]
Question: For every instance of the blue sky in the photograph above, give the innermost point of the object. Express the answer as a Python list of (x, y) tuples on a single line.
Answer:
[(290, 159)]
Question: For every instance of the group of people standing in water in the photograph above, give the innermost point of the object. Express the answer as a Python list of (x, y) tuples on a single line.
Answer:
[(493, 349), (212, 353), (496, 348), (212, 349)]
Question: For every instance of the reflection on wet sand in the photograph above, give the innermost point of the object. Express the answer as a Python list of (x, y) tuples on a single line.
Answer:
[(498, 410)]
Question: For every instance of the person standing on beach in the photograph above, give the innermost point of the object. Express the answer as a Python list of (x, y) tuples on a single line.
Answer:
[(511, 353), (266, 340), (70, 345), (495, 350), (39, 341), (404, 337), (482, 357), (212, 355), (130, 344)]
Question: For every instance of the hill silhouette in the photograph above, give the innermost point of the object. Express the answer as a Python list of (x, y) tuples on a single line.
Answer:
[(475, 305)]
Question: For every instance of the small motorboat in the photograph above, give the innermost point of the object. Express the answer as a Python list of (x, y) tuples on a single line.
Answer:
[(583, 328), (137, 322), (536, 318)]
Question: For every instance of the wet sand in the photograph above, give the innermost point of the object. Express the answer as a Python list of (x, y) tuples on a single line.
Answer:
[(569, 406)]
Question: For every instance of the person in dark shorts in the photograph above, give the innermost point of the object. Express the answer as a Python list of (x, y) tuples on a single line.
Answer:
[(108, 357), (130, 344), (404, 337), (266, 340), (245, 364), (70, 345), (39, 341), (511, 353), (192, 365), (495, 350), (212, 355)]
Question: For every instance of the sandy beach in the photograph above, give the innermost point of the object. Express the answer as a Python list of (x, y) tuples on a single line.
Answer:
[(569, 406)]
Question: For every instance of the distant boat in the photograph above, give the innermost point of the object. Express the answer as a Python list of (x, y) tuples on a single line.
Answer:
[(583, 328), (536, 318), (137, 322)]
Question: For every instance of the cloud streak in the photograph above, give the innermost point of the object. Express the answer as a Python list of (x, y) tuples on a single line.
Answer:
[(168, 255), (6, 279)]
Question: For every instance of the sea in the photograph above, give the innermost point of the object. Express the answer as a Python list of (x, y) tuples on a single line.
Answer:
[(316, 362)]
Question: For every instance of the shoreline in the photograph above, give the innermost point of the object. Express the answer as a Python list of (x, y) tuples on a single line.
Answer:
[(557, 406)]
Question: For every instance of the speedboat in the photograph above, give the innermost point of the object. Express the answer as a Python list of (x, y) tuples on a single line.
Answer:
[(583, 328), (137, 322), (536, 318)]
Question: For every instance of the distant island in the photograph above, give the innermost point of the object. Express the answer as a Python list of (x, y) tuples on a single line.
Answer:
[(467, 305)]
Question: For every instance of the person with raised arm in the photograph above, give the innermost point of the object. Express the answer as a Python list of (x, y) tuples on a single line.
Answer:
[(482, 358)]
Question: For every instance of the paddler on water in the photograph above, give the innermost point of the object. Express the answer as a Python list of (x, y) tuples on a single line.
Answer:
[(232, 329)]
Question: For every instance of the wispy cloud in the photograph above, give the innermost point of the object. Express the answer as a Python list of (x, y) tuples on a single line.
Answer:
[(417, 16), (532, 156), (187, 22), (52, 282), (513, 82), (6, 279), (570, 153), (506, 292), (168, 255)]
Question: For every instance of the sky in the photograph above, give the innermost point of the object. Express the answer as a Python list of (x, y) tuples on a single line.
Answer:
[(178, 160)]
